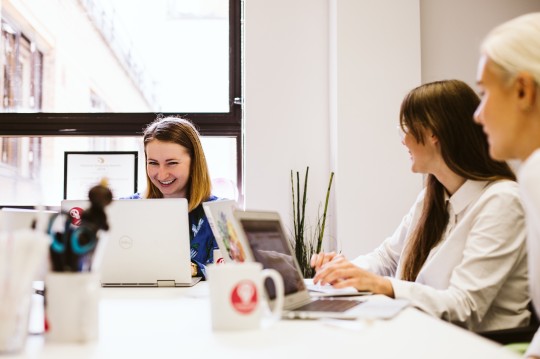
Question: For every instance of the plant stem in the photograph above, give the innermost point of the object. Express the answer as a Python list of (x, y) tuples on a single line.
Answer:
[(298, 212), (299, 234), (304, 199), (294, 206), (321, 233), (304, 246)]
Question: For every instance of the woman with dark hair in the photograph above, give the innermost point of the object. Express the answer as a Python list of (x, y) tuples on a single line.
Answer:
[(459, 254), (176, 168)]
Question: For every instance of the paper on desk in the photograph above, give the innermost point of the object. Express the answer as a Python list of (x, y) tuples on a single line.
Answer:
[(327, 290)]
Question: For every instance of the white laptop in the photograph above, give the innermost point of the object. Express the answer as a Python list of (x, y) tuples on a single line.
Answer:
[(267, 244), (147, 245), (221, 219)]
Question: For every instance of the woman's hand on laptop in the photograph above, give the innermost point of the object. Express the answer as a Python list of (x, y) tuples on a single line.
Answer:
[(320, 259), (341, 273)]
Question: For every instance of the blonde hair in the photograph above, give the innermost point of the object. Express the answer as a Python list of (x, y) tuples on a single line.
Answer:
[(181, 131), (515, 45)]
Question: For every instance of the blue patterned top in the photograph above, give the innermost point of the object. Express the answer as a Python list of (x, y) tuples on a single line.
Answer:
[(202, 241)]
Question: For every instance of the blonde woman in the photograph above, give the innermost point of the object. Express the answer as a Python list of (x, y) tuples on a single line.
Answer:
[(509, 80)]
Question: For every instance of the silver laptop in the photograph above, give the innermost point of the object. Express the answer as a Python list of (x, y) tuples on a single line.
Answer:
[(147, 244), (221, 219), (267, 244)]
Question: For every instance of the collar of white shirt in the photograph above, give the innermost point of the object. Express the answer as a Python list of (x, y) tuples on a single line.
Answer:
[(467, 193)]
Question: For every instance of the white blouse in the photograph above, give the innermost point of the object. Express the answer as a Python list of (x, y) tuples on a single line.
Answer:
[(529, 184), (476, 276)]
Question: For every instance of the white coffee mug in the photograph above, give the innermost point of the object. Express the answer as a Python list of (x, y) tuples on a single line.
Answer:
[(218, 257), (237, 297), (72, 306)]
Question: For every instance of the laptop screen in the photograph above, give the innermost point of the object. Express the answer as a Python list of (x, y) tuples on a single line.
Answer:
[(270, 248)]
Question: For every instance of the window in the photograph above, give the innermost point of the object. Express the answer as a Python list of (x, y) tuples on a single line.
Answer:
[(22, 71), (89, 75)]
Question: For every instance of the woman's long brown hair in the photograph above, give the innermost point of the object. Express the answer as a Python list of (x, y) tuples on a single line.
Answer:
[(181, 131), (446, 108)]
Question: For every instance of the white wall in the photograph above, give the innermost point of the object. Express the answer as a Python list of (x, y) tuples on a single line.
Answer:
[(377, 63), (452, 32), (288, 124), (324, 80), (286, 97)]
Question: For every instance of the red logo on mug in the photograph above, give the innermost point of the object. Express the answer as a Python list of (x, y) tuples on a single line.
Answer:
[(244, 297)]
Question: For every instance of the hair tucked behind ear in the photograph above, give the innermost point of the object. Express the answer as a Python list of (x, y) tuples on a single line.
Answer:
[(446, 108)]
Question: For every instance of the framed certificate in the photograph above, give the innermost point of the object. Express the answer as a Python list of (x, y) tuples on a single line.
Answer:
[(83, 170)]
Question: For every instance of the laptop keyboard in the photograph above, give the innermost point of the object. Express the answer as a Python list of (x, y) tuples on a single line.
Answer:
[(329, 305)]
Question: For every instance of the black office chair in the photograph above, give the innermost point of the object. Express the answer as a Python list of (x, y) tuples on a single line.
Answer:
[(515, 335)]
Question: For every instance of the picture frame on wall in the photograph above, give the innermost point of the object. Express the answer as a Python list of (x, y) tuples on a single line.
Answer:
[(85, 169)]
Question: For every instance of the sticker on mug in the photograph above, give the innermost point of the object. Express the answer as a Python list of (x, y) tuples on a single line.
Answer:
[(218, 258), (75, 213), (244, 297)]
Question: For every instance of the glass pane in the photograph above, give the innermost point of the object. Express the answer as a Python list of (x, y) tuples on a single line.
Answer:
[(221, 157), (116, 56), (32, 169)]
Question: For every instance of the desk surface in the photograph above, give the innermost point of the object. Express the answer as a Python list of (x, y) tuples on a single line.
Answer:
[(175, 322)]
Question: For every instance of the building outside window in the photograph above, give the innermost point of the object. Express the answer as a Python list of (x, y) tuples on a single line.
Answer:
[(88, 75)]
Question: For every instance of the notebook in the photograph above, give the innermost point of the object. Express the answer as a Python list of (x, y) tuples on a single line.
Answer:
[(267, 244), (147, 244), (221, 219)]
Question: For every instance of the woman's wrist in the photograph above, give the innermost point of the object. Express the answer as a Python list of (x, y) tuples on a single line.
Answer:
[(384, 286)]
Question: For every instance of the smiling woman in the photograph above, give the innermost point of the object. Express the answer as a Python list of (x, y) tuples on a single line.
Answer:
[(175, 161), (167, 166), (176, 168)]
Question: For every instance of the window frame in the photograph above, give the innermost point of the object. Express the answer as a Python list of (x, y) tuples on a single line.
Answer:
[(228, 124)]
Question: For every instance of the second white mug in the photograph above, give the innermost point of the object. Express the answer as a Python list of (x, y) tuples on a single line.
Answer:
[(236, 295)]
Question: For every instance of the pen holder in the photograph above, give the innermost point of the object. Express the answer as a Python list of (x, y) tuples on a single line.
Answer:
[(72, 306)]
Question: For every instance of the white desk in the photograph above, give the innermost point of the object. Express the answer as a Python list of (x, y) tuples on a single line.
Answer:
[(175, 323)]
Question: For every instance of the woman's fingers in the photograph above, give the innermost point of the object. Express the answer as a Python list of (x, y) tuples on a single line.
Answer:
[(330, 271), (320, 259)]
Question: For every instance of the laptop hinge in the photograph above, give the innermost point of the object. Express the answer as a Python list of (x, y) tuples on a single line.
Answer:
[(166, 283)]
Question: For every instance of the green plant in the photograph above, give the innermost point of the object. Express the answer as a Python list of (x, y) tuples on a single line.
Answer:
[(306, 239)]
